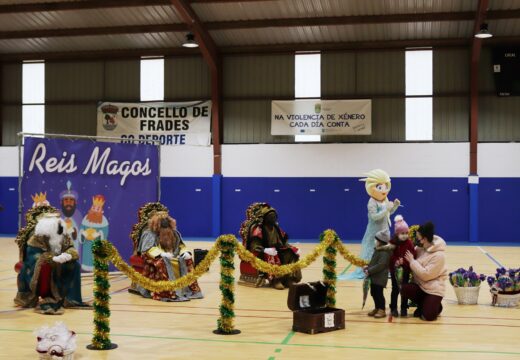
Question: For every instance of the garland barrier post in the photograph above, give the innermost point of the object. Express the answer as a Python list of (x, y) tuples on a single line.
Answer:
[(101, 334), (329, 269), (225, 323)]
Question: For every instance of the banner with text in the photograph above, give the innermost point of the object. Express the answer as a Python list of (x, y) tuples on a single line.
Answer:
[(185, 123), (96, 186), (321, 117)]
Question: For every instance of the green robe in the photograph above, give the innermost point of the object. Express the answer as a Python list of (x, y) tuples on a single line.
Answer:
[(65, 281)]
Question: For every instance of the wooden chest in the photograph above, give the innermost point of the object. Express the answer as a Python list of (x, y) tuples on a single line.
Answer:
[(307, 301)]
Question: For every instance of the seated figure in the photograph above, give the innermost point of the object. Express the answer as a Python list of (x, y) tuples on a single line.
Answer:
[(262, 235), (162, 254), (49, 277)]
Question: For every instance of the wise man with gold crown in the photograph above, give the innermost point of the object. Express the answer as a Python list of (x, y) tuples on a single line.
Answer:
[(94, 226), (166, 258), (50, 275)]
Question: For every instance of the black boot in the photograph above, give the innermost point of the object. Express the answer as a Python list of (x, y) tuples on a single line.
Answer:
[(404, 312), (417, 313), (394, 312)]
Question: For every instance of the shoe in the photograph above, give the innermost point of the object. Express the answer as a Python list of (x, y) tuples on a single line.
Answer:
[(278, 285), (394, 312), (404, 312), (372, 313), (417, 313), (380, 314), (289, 283)]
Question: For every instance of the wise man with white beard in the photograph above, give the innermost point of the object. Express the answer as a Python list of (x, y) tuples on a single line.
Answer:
[(166, 258), (50, 276)]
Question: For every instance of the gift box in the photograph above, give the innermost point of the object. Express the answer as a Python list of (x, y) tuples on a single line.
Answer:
[(310, 315)]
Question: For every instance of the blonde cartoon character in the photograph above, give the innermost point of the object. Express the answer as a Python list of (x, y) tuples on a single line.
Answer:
[(377, 185)]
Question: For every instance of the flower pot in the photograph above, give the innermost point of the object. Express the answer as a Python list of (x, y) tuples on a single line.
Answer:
[(504, 299), (467, 295)]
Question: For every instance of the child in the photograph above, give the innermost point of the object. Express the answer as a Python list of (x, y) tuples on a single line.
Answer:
[(402, 244), (377, 271)]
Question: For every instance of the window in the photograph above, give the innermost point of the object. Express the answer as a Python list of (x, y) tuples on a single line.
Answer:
[(152, 79), (307, 84), (419, 83), (33, 97)]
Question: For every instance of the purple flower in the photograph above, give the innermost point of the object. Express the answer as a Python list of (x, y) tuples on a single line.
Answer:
[(482, 277), (490, 280)]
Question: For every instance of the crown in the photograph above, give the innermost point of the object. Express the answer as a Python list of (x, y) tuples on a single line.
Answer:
[(111, 109), (39, 197), (161, 214), (98, 200)]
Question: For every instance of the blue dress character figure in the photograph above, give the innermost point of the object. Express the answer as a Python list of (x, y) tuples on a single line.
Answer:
[(94, 226), (70, 214), (377, 185)]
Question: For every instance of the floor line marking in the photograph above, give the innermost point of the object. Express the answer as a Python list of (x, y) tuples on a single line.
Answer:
[(346, 269), (295, 345), (490, 257)]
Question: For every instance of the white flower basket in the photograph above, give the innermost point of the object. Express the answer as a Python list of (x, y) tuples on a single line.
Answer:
[(467, 295), (504, 300)]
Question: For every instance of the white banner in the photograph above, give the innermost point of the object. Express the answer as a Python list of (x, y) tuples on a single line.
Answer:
[(321, 117), (186, 123)]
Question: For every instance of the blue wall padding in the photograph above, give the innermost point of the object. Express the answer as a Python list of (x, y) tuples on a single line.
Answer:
[(189, 201), (9, 200), (499, 209), (304, 214)]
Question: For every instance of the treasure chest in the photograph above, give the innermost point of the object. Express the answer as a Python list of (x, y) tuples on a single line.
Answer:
[(310, 315)]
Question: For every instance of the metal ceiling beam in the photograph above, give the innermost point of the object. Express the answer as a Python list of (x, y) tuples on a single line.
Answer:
[(99, 54), (78, 5), (92, 31), (211, 56), (252, 24), (476, 46), (258, 49)]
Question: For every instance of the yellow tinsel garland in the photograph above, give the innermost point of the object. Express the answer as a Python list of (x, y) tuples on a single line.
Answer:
[(162, 285), (351, 258), (282, 270), (243, 253)]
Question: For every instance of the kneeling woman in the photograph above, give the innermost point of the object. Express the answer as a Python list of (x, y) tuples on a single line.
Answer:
[(429, 274)]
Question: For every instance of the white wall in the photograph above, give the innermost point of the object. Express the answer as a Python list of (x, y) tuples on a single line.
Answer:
[(187, 161), (9, 161), (327, 160), (499, 160), (346, 160)]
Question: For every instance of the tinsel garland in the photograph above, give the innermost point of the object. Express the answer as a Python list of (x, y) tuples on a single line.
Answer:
[(282, 270), (412, 234), (347, 255), (329, 266), (101, 335), (227, 244), (163, 285)]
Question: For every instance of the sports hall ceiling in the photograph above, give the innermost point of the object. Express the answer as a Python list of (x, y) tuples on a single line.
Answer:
[(61, 29)]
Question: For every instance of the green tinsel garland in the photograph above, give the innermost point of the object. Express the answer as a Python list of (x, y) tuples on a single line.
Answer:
[(329, 270), (101, 338), (227, 284)]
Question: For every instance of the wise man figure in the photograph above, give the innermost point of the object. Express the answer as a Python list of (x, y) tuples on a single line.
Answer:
[(50, 275), (166, 258)]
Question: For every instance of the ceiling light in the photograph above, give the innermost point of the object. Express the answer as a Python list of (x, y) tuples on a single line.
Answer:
[(484, 32), (190, 41)]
